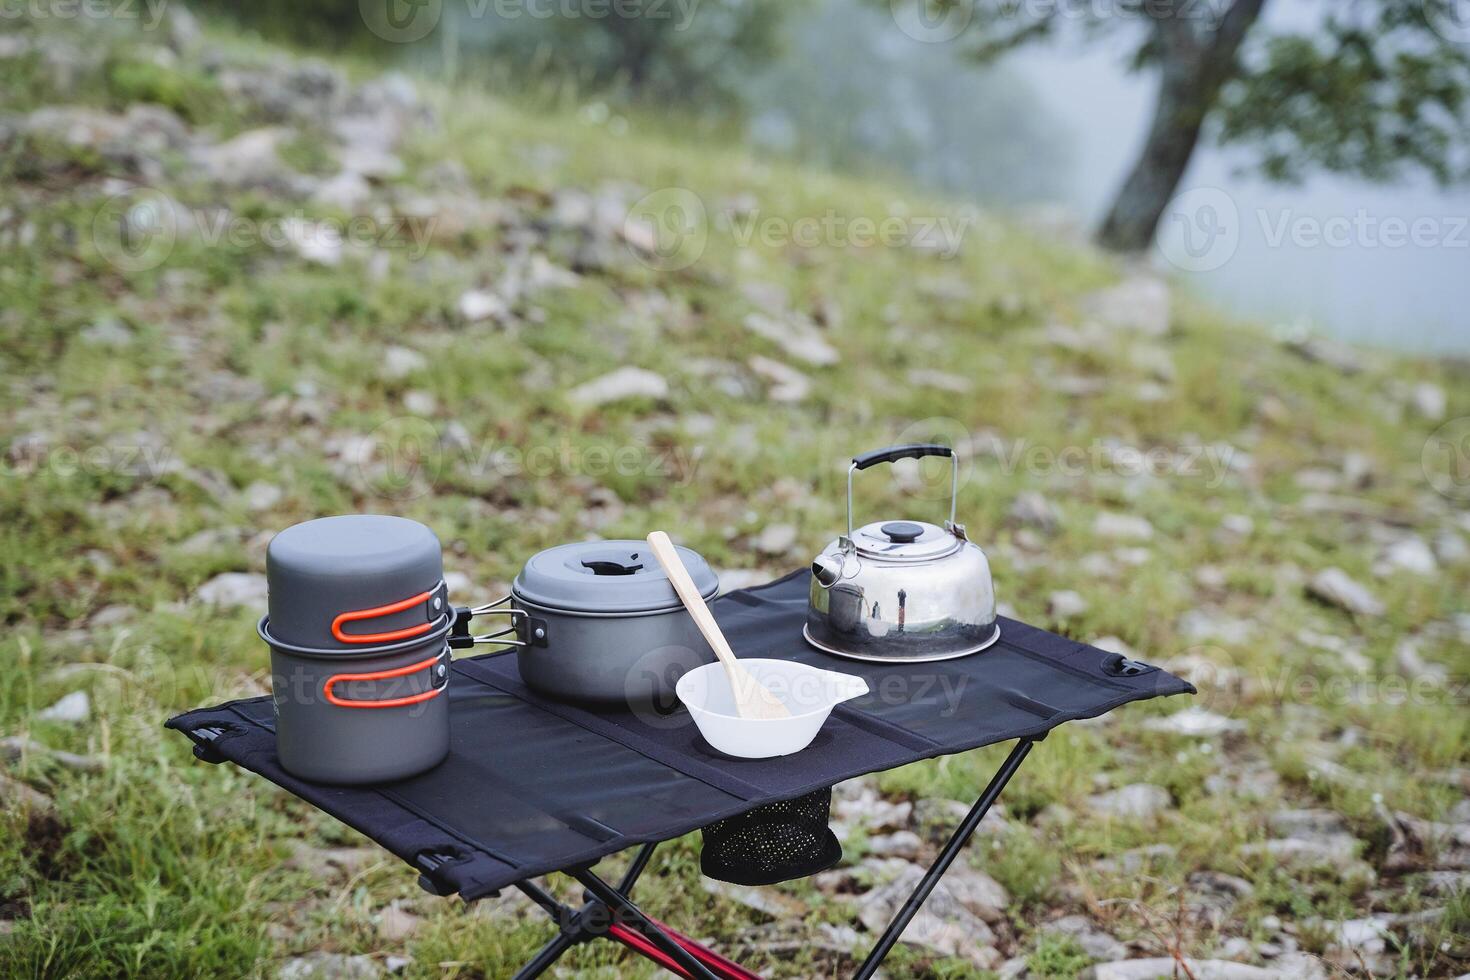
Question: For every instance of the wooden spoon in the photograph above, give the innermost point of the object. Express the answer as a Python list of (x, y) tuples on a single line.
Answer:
[(752, 698)]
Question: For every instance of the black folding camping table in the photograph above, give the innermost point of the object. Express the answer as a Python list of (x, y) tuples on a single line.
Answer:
[(533, 786)]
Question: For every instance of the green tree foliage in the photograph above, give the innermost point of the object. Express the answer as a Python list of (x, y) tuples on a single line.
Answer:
[(1371, 88)]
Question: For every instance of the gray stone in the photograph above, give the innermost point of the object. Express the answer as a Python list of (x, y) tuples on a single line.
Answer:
[(767, 901), (1094, 941), (233, 590), (624, 383), (1320, 350), (1195, 721), (942, 924), (402, 362), (785, 384), (776, 539), (797, 336), (1296, 823), (1139, 304), (347, 191), (1205, 626), (1167, 968), (107, 331), (954, 384), (16, 748), (1428, 401), (15, 794), (1123, 526), (329, 966), (1138, 801), (72, 709), (1410, 554), (1034, 510), (899, 844), (478, 305), (262, 496), (396, 924), (1066, 604), (1335, 587), (317, 242), (1318, 850)]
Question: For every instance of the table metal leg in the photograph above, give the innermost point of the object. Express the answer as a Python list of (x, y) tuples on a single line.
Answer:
[(946, 857), (547, 957), (640, 861), (617, 902)]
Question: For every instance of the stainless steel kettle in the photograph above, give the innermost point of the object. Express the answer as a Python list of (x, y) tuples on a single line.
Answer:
[(902, 591)]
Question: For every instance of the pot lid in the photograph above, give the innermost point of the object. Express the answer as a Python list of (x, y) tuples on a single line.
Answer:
[(904, 541), (607, 576)]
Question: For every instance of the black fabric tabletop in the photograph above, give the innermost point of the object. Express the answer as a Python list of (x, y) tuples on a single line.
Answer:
[(533, 785)]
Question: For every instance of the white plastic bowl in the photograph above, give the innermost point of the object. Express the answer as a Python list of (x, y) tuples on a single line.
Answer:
[(809, 693)]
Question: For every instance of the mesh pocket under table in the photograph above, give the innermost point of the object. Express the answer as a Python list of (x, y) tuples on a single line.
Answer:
[(533, 785)]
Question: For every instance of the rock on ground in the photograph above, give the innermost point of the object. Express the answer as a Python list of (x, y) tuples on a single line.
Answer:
[(1140, 304), (1094, 941), (942, 924), (1138, 801), (233, 589), (72, 709), (1194, 721), (786, 384), (329, 966), (1336, 587), (624, 383), (1125, 526), (776, 539), (1066, 604), (1166, 968)]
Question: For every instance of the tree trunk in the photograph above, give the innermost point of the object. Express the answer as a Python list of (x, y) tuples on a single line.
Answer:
[(1193, 70)]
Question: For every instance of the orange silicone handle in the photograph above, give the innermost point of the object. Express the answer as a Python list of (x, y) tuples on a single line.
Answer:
[(374, 613), (383, 675)]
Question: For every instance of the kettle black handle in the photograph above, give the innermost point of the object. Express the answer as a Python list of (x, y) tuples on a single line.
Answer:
[(916, 450)]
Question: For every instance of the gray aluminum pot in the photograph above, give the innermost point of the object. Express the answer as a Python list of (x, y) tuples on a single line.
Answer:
[(358, 626), (598, 621)]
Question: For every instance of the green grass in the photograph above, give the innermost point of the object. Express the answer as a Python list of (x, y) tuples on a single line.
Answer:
[(248, 364)]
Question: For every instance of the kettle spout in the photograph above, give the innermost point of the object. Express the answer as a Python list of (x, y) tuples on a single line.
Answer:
[(826, 570)]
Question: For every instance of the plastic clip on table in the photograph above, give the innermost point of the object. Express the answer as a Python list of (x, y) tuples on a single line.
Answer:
[(533, 786)]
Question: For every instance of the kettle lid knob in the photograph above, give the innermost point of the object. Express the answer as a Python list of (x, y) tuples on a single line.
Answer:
[(902, 532)]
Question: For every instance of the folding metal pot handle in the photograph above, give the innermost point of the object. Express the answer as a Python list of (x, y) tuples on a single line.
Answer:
[(892, 454), (387, 675), (460, 637), (433, 601)]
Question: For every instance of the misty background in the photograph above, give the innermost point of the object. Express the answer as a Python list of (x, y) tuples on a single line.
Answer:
[(1046, 133)]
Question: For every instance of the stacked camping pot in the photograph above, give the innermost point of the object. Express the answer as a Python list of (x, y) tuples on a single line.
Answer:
[(358, 626)]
